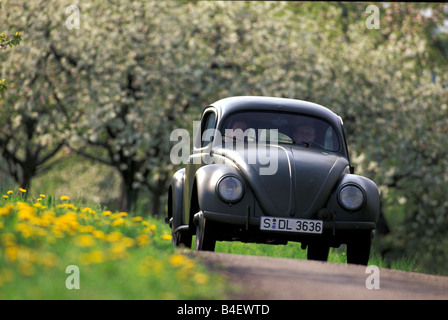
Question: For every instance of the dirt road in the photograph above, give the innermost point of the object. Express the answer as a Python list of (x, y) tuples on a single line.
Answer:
[(290, 279)]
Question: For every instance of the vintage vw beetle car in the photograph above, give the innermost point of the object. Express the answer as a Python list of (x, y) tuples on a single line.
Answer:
[(272, 170)]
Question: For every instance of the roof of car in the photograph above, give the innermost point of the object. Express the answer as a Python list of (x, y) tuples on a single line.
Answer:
[(244, 103)]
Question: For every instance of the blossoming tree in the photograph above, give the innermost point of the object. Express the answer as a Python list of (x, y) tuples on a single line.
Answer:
[(114, 86)]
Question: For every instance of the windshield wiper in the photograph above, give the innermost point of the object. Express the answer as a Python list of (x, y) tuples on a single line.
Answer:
[(305, 143)]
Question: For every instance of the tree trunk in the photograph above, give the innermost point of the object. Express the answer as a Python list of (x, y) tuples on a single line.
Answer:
[(155, 208), (25, 182), (28, 172), (128, 196), (158, 192)]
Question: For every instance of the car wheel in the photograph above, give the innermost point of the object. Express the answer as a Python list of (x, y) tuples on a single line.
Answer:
[(358, 249), (204, 234), (181, 239), (318, 251)]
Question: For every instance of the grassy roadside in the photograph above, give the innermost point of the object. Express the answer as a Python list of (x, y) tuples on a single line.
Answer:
[(118, 256), (293, 250), (51, 247)]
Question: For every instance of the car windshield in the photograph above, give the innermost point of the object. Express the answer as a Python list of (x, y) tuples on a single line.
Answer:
[(290, 128)]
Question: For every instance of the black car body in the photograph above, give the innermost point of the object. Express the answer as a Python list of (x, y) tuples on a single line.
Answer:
[(272, 170)]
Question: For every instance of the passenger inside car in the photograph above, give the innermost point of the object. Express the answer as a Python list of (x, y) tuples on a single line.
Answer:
[(304, 133)]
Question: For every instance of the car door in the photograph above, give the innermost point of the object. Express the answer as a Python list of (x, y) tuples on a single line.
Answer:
[(201, 149)]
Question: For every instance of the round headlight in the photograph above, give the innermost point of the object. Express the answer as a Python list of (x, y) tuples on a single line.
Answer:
[(351, 197), (230, 189)]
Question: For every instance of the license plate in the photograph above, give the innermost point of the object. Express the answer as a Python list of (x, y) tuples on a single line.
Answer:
[(291, 225)]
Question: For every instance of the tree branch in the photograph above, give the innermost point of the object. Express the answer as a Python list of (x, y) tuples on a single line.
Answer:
[(91, 157)]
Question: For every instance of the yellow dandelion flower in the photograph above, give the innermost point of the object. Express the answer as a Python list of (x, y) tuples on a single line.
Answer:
[(22, 190), (114, 216), (166, 237), (200, 278), (181, 261), (25, 229), (6, 210), (149, 226), (107, 213), (128, 242), (123, 214), (66, 223), (86, 229), (117, 251), (64, 198), (113, 236), (88, 210), (83, 216), (5, 197), (118, 222), (177, 260), (11, 253), (137, 219), (47, 217), (96, 256), (142, 240), (66, 206), (26, 212), (98, 234), (9, 192), (42, 195), (85, 240)]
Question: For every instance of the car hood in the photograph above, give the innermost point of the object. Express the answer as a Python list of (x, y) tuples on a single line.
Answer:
[(288, 181)]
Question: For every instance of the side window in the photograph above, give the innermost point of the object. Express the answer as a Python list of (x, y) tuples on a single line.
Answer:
[(329, 139), (331, 142), (207, 126)]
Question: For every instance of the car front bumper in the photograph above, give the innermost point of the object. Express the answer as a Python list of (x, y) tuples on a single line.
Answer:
[(247, 228), (255, 221)]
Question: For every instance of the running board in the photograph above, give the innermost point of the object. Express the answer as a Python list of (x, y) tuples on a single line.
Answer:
[(182, 228)]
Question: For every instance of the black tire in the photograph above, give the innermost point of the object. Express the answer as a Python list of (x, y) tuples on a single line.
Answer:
[(181, 239), (205, 240), (358, 248), (318, 251)]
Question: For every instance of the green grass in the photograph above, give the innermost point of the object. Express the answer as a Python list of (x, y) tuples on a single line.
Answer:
[(293, 250), (118, 256)]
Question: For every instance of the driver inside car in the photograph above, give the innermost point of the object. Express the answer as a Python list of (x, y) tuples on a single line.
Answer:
[(304, 133), (239, 131)]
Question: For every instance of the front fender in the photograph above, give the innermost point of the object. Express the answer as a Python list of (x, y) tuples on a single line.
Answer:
[(175, 199), (207, 178), (371, 209)]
